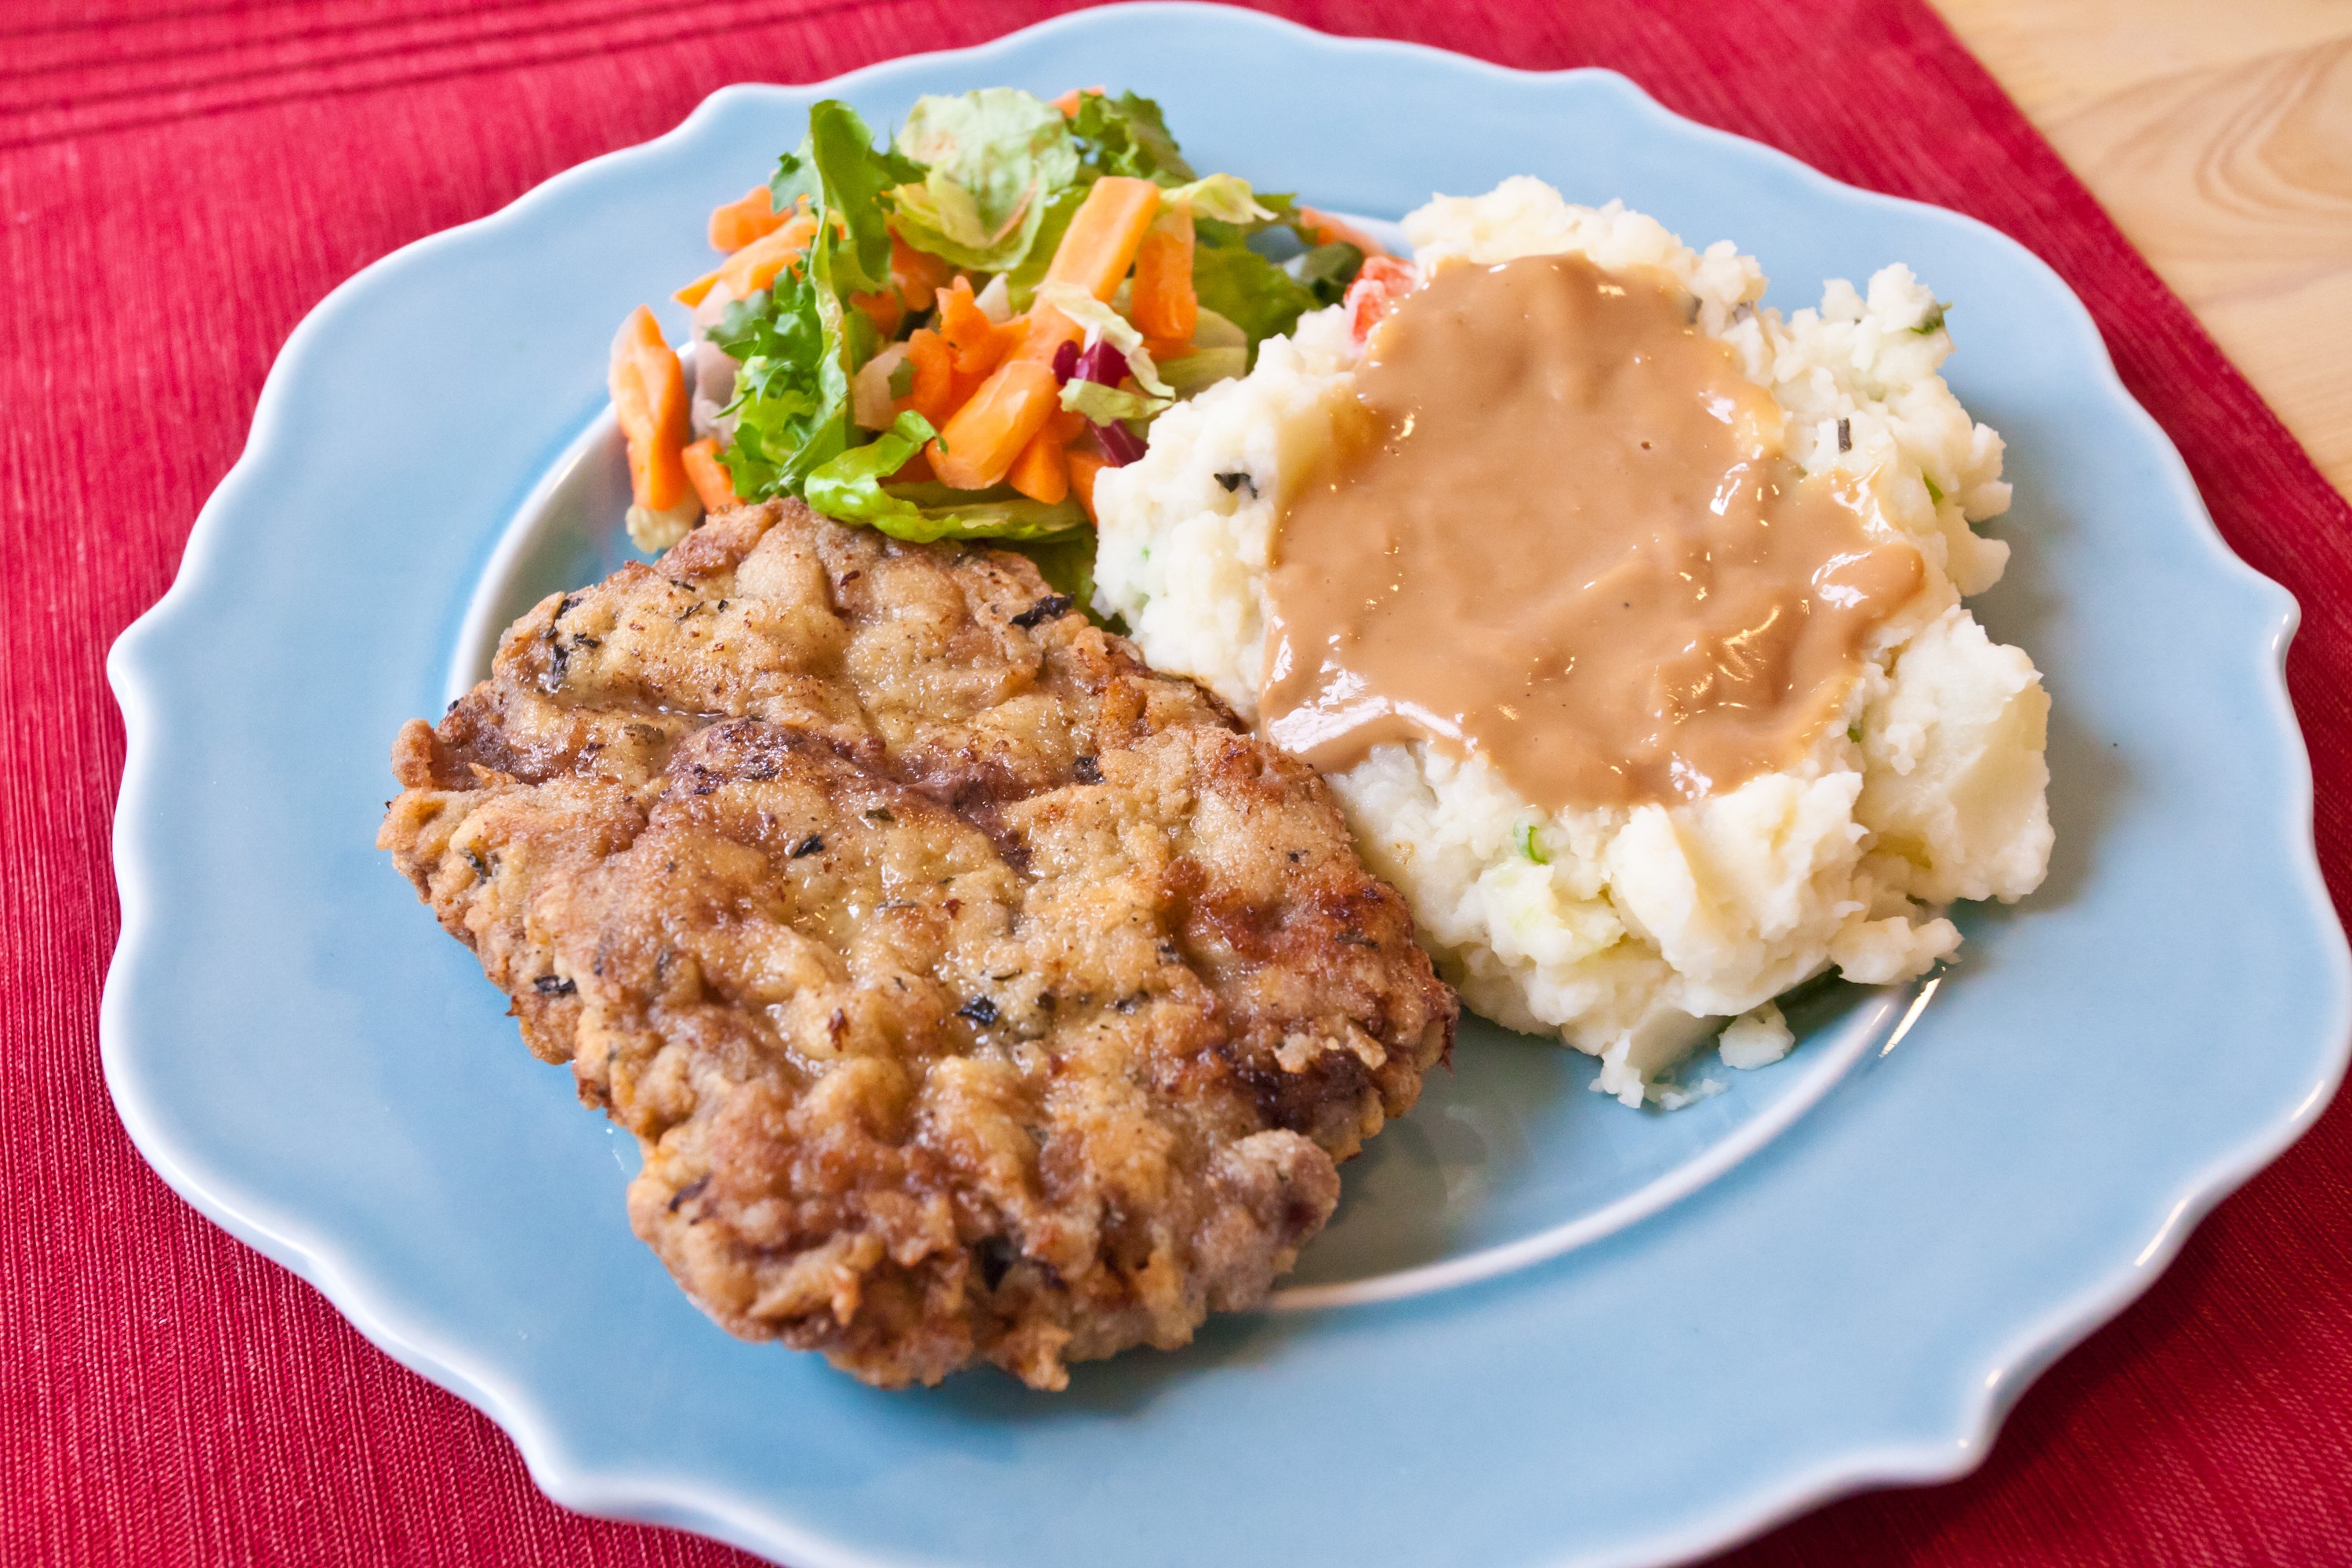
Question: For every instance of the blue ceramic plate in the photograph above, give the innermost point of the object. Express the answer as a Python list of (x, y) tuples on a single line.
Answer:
[(1844, 1268)]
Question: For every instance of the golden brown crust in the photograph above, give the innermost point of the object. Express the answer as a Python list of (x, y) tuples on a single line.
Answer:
[(974, 992)]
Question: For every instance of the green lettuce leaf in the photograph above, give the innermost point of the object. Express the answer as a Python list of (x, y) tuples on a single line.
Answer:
[(791, 394), (1127, 135), (997, 519), (1214, 332), (1249, 290), (996, 158), (1262, 295), (1104, 405), (1282, 210), (1220, 198), (841, 170), (1327, 270), (848, 487), (1204, 367), (796, 343)]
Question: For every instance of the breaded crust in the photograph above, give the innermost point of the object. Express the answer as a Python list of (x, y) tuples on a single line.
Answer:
[(974, 992)]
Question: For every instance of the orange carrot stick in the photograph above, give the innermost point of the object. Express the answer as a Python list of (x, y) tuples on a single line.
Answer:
[(1041, 472), (976, 344), (931, 392), (1329, 230), (1044, 331), (1164, 305), (884, 309), (1083, 466), (755, 266), (736, 224), (1099, 245), (709, 476), (648, 388), (1069, 103), (977, 446), (916, 274)]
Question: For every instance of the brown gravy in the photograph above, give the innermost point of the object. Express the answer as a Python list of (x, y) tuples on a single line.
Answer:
[(1561, 536)]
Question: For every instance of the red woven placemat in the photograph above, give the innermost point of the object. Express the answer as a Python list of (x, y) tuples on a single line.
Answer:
[(178, 185)]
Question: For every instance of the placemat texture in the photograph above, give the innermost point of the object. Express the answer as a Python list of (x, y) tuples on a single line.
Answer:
[(180, 182)]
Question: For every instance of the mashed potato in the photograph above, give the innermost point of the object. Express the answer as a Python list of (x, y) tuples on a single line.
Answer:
[(1632, 934)]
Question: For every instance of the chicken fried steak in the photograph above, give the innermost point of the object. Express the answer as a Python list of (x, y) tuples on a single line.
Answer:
[(974, 992)]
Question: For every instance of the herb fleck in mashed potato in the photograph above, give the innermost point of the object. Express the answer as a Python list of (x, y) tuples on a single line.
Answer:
[(1633, 932)]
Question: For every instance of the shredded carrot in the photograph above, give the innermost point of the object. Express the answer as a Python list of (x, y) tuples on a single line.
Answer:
[(1100, 242), (883, 309), (1165, 308), (977, 446), (1070, 101), (1066, 425), (755, 266), (932, 391), (1084, 465), (1042, 471), (1042, 332), (1329, 230), (916, 274), (709, 476), (736, 224), (914, 470), (979, 342), (648, 388), (976, 344)]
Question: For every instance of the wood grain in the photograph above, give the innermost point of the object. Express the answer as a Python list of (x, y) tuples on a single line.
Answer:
[(2220, 137)]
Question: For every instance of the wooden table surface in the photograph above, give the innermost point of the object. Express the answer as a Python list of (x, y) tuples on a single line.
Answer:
[(2219, 135)]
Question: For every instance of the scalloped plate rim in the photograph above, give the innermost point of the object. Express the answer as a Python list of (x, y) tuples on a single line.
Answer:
[(681, 1502)]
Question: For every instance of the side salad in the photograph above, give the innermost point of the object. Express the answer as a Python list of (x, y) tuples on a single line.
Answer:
[(949, 335)]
